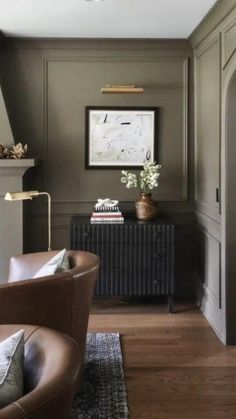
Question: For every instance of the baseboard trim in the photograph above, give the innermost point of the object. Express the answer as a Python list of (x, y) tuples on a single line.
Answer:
[(206, 305)]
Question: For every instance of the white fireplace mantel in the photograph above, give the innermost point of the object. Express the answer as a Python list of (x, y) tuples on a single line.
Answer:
[(11, 214)]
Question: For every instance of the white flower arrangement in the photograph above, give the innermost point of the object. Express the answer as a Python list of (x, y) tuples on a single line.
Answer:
[(147, 179)]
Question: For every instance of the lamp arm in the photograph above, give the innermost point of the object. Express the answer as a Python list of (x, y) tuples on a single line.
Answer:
[(49, 217)]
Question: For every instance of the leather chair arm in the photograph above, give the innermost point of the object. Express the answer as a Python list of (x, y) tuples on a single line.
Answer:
[(51, 367), (12, 411), (43, 301)]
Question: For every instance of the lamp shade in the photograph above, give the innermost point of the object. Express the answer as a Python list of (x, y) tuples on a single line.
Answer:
[(19, 196)]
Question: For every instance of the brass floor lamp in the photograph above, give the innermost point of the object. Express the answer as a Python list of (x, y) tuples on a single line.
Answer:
[(21, 196)]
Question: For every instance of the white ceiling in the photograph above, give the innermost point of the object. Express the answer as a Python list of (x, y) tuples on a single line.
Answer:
[(105, 19)]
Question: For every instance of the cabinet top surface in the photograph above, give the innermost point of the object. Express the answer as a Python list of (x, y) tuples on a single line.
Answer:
[(85, 220)]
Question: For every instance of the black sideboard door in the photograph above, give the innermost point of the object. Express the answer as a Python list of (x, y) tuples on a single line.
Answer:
[(137, 258)]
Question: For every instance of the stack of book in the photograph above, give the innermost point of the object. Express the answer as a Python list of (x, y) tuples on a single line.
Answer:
[(107, 215)]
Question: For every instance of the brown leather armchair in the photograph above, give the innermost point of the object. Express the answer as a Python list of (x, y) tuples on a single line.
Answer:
[(51, 368), (61, 301)]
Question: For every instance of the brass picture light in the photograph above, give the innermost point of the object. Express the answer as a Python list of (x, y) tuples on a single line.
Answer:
[(126, 88)]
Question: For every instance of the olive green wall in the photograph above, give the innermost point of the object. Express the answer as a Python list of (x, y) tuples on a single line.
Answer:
[(47, 86), (214, 44), (48, 83)]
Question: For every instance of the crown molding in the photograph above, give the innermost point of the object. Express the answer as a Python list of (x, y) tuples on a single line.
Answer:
[(213, 18), (101, 43)]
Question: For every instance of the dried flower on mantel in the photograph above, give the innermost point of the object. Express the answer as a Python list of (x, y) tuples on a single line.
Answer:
[(18, 151), (4, 151)]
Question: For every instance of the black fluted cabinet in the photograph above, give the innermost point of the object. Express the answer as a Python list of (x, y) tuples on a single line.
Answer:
[(137, 258)]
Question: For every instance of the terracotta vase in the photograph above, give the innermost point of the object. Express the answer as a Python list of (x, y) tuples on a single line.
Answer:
[(145, 207)]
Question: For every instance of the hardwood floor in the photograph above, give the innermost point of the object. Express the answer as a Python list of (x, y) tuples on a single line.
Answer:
[(175, 366)]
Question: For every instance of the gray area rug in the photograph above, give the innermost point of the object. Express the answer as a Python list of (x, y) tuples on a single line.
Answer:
[(103, 393)]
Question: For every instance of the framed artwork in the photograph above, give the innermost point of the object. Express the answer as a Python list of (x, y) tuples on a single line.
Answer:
[(120, 137)]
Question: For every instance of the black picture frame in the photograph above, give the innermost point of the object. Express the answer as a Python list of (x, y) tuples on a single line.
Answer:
[(135, 121)]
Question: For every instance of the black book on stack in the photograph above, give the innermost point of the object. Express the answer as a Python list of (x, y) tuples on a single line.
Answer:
[(107, 215)]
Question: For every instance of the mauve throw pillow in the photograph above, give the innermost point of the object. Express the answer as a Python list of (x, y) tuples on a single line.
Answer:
[(11, 368)]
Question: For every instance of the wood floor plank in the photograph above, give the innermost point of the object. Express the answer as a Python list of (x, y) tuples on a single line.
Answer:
[(175, 366)]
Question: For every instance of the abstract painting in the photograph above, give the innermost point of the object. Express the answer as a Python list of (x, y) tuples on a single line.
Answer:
[(120, 137)]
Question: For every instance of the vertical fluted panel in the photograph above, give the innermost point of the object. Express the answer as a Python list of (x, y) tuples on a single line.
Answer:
[(136, 259)]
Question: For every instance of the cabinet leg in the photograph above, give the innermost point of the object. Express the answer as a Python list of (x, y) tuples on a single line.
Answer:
[(170, 304)]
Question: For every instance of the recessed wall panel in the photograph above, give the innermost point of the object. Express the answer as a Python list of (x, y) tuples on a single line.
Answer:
[(208, 128), (73, 84)]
